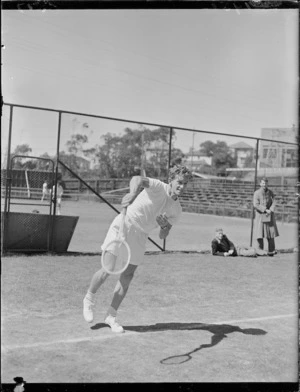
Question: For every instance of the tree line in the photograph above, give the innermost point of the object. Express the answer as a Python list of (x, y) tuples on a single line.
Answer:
[(122, 156)]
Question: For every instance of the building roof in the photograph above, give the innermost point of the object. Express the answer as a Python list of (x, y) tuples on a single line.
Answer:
[(241, 145)]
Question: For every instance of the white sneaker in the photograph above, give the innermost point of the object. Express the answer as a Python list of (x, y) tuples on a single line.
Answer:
[(88, 310), (115, 327)]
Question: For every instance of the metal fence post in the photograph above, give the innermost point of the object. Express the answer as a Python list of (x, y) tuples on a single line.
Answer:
[(255, 179), (52, 217), (169, 166), (7, 182)]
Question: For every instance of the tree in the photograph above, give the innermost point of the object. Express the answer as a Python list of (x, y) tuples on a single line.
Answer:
[(45, 164), (124, 156), (22, 149), (207, 148), (221, 156), (75, 144), (74, 158), (22, 163)]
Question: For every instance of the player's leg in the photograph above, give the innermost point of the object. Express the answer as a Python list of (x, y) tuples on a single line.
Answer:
[(97, 280), (260, 242), (271, 246), (261, 252), (119, 294), (99, 276), (247, 251), (137, 241)]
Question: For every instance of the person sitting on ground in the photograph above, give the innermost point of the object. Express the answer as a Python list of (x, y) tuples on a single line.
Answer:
[(222, 246)]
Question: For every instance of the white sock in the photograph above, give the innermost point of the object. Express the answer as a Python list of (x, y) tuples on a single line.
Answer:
[(90, 296), (111, 312)]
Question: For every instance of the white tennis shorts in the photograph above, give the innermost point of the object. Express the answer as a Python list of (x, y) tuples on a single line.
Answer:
[(135, 238)]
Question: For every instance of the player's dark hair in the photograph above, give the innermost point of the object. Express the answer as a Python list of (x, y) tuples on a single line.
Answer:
[(179, 170)]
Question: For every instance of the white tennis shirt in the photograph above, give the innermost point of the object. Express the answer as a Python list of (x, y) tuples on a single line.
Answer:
[(152, 202), (59, 192)]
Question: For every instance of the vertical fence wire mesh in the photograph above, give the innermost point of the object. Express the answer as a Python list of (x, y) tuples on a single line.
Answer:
[(29, 203), (104, 153)]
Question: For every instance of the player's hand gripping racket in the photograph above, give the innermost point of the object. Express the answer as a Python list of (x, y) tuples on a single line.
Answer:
[(116, 254)]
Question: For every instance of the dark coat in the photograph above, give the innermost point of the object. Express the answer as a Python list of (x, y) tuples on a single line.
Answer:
[(219, 248), (262, 200)]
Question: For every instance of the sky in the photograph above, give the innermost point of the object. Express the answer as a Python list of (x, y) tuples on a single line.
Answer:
[(227, 71)]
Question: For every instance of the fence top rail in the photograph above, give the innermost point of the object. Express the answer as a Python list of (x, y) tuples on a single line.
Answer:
[(143, 123)]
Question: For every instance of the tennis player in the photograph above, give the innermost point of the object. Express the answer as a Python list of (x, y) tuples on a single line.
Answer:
[(157, 205)]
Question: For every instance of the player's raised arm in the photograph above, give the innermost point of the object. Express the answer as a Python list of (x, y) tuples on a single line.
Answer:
[(135, 186)]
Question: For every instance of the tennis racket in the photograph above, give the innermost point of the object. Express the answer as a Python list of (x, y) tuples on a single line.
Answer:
[(116, 254)]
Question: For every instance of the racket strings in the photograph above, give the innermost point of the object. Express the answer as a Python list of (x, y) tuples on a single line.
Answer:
[(115, 257)]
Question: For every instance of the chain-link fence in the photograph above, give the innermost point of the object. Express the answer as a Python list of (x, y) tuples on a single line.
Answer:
[(27, 190), (95, 157), (29, 185)]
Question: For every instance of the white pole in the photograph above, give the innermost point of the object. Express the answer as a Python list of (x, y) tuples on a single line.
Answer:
[(27, 184)]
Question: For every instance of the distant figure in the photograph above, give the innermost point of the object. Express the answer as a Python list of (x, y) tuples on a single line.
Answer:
[(265, 223), (20, 384), (45, 190), (59, 193), (222, 246)]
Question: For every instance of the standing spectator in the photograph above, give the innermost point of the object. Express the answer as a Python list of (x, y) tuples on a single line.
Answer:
[(59, 193), (45, 190), (265, 223)]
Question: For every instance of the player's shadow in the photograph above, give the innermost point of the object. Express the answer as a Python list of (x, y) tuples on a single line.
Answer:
[(219, 332), (215, 329)]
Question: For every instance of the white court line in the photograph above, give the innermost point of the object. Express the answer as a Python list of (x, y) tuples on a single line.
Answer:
[(129, 333), (257, 319), (67, 341)]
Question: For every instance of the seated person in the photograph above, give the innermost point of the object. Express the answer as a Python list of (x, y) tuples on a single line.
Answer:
[(222, 246)]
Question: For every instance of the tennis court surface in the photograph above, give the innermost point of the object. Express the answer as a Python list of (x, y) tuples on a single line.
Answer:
[(193, 232), (188, 317)]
